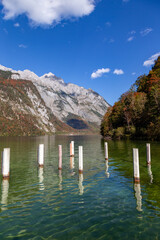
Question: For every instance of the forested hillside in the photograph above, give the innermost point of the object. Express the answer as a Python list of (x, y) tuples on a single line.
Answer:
[(137, 113)]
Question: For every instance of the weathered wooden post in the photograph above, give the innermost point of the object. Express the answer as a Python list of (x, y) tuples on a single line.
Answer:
[(41, 155), (80, 159), (148, 149), (6, 163), (106, 150), (60, 157), (72, 149), (136, 165)]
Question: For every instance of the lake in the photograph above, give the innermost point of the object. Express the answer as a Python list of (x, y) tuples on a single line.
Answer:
[(103, 203)]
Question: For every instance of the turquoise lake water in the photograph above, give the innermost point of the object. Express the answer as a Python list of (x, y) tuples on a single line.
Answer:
[(103, 203)]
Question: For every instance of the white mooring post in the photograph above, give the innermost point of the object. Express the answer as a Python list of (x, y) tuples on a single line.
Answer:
[(148, 149), (5, 163), (136, 165), (41, 155), (60, 157), (80, 159), (106, 150), (72, 149)]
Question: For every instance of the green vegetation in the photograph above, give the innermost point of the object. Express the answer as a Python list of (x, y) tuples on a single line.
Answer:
[(5, 74), (137, 113)]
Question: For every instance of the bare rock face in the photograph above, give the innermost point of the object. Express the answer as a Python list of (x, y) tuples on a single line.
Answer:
[(22, 110)]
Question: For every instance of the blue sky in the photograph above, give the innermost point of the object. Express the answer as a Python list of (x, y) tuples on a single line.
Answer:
[(103, 44)]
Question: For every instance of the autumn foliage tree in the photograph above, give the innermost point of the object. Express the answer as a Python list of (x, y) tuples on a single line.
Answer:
[(137, 113)]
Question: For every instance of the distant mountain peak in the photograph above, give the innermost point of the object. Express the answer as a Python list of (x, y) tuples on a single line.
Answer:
[(48, 75), (64, 100)]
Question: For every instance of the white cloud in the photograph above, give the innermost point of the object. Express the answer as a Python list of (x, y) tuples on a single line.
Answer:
[(22, 46), (118, 71), (130, 39), (47, 12), (133, 73), (16, 25), (100, 72), (146, 31), (132, 36), (151, 60)]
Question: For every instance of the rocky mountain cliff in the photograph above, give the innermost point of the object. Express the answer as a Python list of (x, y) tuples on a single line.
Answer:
[(48, 103)]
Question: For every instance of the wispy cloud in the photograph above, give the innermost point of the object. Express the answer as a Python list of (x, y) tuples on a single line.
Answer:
[(133, 73), (146, 31), (133, 32), (100, 72), (118, 71), (108, 24), (22, 46), (111, 40), (47, 12), (130, 39), (16, 25), (151, 60), (132, 36)]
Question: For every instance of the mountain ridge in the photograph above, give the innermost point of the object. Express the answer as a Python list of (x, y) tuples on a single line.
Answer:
[(76, 108)]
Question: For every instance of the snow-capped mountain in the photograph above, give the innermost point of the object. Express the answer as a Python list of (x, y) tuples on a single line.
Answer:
[(68, 102)]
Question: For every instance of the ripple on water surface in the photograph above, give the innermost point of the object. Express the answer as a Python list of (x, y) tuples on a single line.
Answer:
[(103, 203)]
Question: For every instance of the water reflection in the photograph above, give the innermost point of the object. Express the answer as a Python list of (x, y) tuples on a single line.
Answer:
[(150, 173), (41, 179), (137, 189), (81, 187), (71, 163), (72, 166), (5, 189), (60, 180), (107, 167)]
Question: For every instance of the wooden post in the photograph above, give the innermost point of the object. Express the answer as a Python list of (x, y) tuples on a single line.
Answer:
[(136, 165), (148, 148), (106, 150), (60, 157), (41, 155), (72, 149), (80, 159), (6, 163)]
